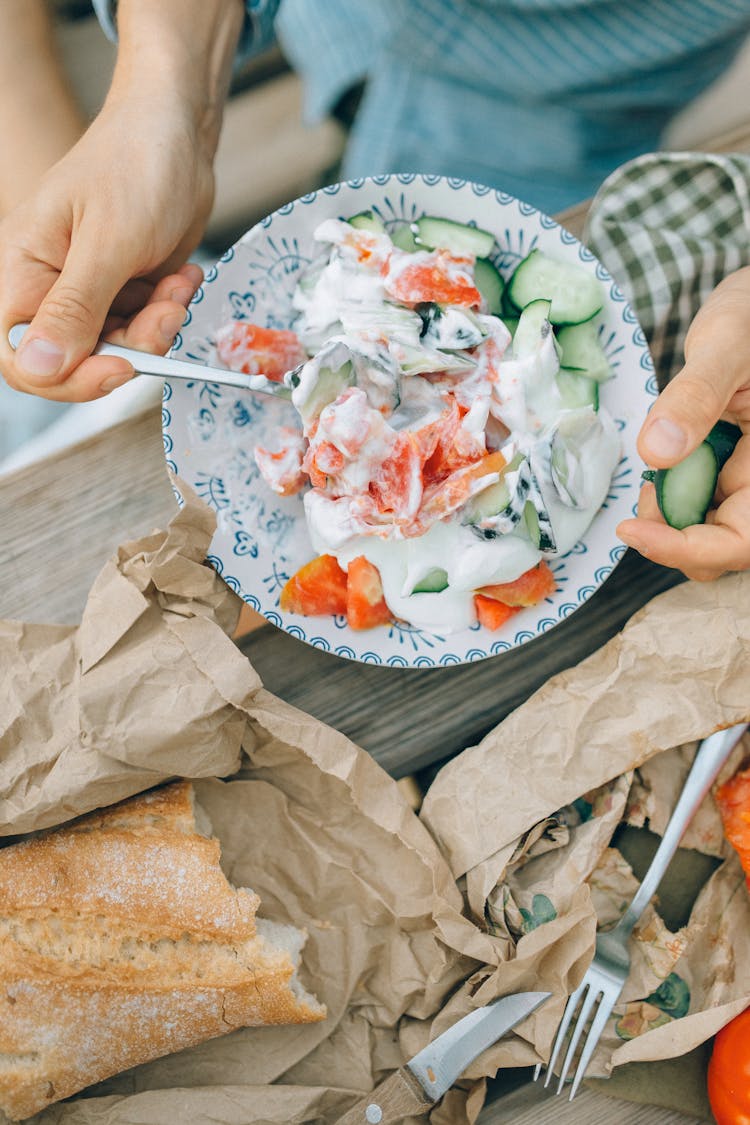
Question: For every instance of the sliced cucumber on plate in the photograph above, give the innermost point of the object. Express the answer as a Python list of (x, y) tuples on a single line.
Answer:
[(456, 238), (490, 284), (367, 220), (532, 330), (403, 238), (574, 294), (582, 351), (434, 582), (577, 390)]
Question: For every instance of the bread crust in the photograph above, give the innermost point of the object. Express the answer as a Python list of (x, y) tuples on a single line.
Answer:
[(120, 941)]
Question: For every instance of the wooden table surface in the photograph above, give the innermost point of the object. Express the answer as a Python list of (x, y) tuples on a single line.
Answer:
[(61, 519)]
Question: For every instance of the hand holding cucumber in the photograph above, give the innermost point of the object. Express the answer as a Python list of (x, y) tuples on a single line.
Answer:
[(681, 431)]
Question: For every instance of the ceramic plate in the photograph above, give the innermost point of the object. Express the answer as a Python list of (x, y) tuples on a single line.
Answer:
[(210, 431)]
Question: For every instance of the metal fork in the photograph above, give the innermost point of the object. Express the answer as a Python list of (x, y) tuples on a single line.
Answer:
[(609, 970)]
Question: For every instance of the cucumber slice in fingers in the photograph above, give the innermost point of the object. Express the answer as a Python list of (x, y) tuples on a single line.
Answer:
[(456, 238), (723, 437), (685, 491), (574, 293)]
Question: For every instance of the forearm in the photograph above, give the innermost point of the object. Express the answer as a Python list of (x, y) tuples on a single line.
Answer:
[(179, 52), (39, 118)]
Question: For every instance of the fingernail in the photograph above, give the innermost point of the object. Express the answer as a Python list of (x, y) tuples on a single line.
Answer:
[(112, 382), (170, 325), (40, 358), (664, 439)]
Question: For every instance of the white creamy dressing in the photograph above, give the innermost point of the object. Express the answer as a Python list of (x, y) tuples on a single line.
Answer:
[(520, 393)]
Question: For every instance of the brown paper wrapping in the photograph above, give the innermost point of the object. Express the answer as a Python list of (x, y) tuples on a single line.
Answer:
[(411, 922)]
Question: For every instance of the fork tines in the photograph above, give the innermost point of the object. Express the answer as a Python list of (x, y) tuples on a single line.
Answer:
[(591, 996)]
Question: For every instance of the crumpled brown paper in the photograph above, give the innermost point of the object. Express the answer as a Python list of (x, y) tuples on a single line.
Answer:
[(411, 923), (641, 701)]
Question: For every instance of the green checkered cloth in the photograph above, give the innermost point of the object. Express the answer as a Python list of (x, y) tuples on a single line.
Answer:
[(669, 226)]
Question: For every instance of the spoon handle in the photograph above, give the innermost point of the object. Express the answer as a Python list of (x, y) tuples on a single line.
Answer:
[(165, 367)]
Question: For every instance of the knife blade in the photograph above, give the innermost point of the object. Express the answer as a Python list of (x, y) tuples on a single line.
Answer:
[(423, 1080)]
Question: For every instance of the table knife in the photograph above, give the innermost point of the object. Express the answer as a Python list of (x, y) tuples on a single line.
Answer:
[(415, 1087)]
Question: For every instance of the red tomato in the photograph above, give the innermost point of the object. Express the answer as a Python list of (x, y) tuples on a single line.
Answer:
[(440, 500), (733, 799), (530, 589), (490, 613), (259, 351), (365, 604), (442, 279), (397, 485), (729, 1073), (318, 587)]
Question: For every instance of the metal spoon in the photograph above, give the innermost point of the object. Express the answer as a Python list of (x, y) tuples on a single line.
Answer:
[(166, 368)]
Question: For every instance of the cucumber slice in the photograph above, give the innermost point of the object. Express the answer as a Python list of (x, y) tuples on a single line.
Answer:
[(533, 328), (321, 380), (497, 510), (539, 528), (456, 238), (723, 438), (511, 323), (433, 582), (367, 220), (490, 284), (509, 309), (684, 492), (574, 431), (577, 390), (576, 296), (403, 239), (582, 352)]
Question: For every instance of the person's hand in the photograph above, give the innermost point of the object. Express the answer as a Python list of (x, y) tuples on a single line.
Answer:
[(713, 384), (101, 246), (98, 250)]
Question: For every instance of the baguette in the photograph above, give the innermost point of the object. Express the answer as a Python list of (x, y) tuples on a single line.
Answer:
[(120, 941)]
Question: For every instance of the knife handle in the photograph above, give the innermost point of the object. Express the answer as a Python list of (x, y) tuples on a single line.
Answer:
[(399, 1096)]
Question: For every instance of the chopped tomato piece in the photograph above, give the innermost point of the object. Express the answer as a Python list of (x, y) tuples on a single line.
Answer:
[(318, 587), (282, 469), (439, 277), (323, 460), (530, 589), (492, 614), (365, 604), (397, 485), (456, 448), (254, 350), (442, 499), (733, 799)]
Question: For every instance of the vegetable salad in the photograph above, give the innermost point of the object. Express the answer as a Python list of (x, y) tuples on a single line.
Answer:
[(450, 438)]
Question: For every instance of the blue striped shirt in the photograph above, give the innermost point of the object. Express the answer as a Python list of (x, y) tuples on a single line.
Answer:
[(541, 98)]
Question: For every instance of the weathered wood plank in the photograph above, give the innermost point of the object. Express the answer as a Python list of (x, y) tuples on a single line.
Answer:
[(533, 1105)]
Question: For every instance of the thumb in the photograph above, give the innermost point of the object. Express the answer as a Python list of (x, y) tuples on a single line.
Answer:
[(69, 321), (683, 414), (717, 360)]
